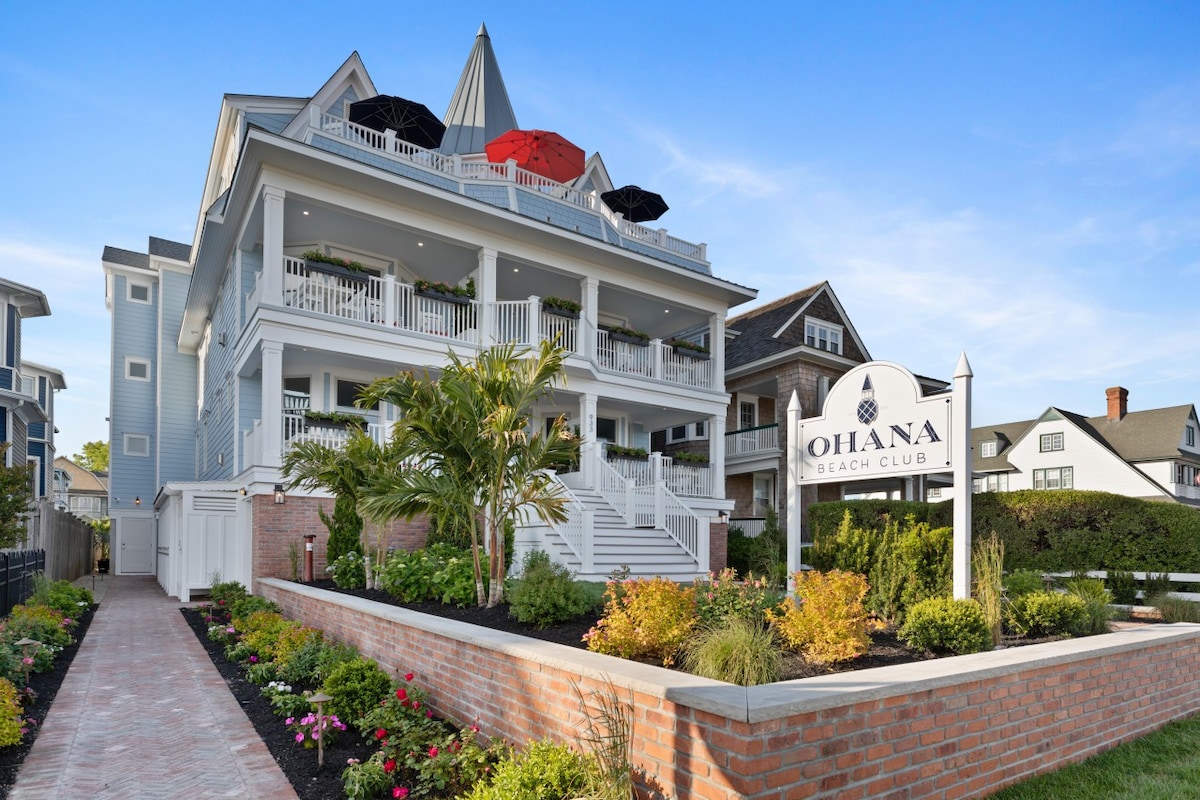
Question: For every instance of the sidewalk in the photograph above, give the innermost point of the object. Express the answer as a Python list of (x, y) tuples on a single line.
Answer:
[(144, 715)]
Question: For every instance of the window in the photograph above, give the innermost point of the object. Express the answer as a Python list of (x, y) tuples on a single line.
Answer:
[(747, 414), (683, 433), (1056, 478), (138, 292), (678, 433), (700, 430), (137, 444), (997, 482), (137, 369), (934, 493), (347, 393), (987, 449), (1051, 442), (1189, 436), (1187, 475), (823, 336)]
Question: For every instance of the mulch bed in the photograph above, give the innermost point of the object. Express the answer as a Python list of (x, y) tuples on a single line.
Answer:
[(46, 686), (298, 764)]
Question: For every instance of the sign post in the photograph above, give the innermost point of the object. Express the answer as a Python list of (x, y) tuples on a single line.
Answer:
[(877, 424)]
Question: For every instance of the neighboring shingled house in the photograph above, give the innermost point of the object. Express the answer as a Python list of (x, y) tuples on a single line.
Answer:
[(1150, 454), (82, 493)]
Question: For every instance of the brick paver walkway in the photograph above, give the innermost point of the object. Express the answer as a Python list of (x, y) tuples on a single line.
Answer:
[(144, 715)]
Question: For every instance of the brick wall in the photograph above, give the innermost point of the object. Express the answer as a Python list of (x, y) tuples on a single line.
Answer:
[(951, 728), (275, 526), (718, 546)]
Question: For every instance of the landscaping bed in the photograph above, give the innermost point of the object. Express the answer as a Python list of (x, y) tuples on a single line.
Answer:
[(45, 685)]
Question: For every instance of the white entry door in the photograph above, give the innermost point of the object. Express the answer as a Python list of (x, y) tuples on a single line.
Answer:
[(137, 546)]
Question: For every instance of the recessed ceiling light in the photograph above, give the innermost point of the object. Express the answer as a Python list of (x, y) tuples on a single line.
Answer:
[(305, 213), (516, 269), (420, 244), (666, 311)]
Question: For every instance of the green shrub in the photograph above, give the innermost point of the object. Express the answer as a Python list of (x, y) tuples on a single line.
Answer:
[(1047, 613), (364, 780), (722, 596), (60, 595), (11, 720), (345, 528), (225, 593), (330, 657), (1156, 585), (356, 687), (1174, 609), (644, 618), (829, 624), (739, 651), (544, 770), (301, 666), (1022, 582), (348, 570), (1123, 587), (1096, 600), (441, 573), (42, 623), (945, 625), (545, 594), (248, 605)]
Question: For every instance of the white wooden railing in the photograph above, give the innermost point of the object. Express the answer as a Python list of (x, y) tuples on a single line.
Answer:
[(689, 480), (749, 441), (576, 531), (656, 506), (616, 489), (475, 168)]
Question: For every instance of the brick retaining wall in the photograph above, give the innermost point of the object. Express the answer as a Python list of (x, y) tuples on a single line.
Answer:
[(954, 727)]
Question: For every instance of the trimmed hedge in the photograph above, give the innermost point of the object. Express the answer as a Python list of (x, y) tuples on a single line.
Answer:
[(1052, 530)]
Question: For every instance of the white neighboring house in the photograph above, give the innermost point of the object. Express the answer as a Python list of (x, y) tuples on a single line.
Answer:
[(229, 349), (1154, 455)]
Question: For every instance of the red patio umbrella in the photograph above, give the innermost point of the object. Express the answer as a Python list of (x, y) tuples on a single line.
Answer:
[(543, 152)]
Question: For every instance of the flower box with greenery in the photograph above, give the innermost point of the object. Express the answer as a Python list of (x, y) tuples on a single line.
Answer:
[(336, 420), (332, 265), (620, 451), (697, 459), (561, 307), (460, 295), (683, 347), (628, 335)]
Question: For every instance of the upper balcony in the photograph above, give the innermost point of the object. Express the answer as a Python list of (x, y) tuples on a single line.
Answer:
[(752, 448), (505, 186), (388, 304)]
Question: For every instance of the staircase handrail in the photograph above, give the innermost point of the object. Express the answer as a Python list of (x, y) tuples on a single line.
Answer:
[(576, 530), (659, 507), (615, 488)]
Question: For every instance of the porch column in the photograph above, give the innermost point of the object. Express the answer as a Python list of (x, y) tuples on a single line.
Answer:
[(587, 433), (485, 293), (589, 292), (272, 274), (716, 454), (716, 349), (272, 404)]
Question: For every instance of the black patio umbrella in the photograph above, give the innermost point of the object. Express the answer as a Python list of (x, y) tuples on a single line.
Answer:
[(637, 204), (411, 121)]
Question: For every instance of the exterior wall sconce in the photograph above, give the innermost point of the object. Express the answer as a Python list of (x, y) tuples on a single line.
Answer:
[(280, 497), (137, 501), (242, 491), (723, 517)]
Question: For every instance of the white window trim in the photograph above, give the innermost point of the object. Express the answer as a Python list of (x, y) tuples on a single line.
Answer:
[(130, 437), (831, 330), (988, 449), (129, 361), (1061, 472), (129, 284)]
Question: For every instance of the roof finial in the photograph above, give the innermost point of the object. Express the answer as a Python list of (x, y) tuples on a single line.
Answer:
[(480, 110), (482, 31)]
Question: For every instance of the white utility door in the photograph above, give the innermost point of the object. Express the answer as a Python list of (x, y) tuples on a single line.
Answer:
[(137, 546)]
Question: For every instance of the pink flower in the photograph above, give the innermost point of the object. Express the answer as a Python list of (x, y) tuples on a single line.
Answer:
[(408, 676), (299, 737), (428, 714), (27, 661), (399, 792), (289, 720), (433, 751), (416, 704), (253, 659)]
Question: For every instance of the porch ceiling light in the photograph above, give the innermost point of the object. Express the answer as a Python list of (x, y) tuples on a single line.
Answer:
[(280, 497), (137, 501)]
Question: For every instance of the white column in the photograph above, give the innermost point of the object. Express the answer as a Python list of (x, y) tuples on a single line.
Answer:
[(961, 455), (272, 280), (485, 293), (587, 432), (795, 506), (272, 404), (589, 293), (716, 349), (716, 454)]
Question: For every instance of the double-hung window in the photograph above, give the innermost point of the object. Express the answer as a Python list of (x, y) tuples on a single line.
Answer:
[(1049, 442), (1054, 478), (823, 336)]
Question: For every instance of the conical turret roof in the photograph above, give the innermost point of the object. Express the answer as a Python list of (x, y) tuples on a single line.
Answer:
[(480, 110)]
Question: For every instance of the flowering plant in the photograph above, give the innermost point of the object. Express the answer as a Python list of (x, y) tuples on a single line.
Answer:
[(318, 256), (423, 285), (309, 729)]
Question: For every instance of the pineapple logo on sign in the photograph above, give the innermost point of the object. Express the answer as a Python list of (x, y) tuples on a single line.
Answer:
[(868, 409)]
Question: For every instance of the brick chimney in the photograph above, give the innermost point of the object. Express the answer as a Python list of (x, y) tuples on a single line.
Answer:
[(1118, 403)]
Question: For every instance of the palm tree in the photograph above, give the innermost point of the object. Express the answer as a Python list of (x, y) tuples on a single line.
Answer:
[(342, 471), (465, 449)]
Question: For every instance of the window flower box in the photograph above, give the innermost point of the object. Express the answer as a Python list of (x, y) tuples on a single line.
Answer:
[(561, 307), (459, 295), (628, 336), (316, 261), (682, 347)]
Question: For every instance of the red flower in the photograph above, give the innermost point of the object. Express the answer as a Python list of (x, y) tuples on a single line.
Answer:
[(433, 751), (380, 733), (408, 676), (401, 695), (416, 704), (389, 765)]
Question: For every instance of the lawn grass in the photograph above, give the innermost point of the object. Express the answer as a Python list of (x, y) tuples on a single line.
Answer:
[(1165, 765)]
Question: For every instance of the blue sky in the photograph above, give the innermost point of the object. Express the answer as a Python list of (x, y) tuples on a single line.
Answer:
[(1018, 181)]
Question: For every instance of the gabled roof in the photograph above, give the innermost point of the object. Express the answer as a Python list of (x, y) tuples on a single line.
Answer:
[(480, 110), (127, 258), (1152, 435), (165, 248), (778, 327), (31, 302), (81, 480)]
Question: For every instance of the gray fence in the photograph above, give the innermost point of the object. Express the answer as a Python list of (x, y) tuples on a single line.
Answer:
[(66, 539), (17, 568)]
